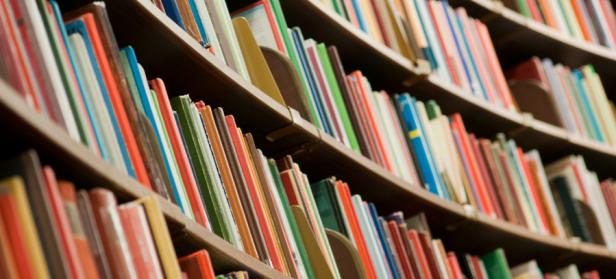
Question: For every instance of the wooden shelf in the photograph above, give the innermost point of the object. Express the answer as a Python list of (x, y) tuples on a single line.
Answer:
[(167, 51), (75, 162), (512, 34), (322, 156), (321, 23)]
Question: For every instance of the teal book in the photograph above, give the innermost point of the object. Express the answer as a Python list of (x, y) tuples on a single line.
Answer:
[(496, 264), (324, 192)]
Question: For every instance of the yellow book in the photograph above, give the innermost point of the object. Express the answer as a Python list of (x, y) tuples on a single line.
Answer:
[(606, 114), (161, 236), (371, 21), (6, 255), (15, 186)]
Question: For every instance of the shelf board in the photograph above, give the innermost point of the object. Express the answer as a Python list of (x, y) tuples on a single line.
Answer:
[(75, 162), (383, 66), (512, 33), (167, 51)]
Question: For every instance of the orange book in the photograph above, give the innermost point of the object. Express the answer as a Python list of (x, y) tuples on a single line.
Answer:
[(422, 259), (197, 265), (547, 13), (85, 256), (64, 226), (579, 14), (14, 231), (456, 271), (387, 163), (227, 178), (537, 202), (180, 153), (254, 196), (8, 267), (116, 100), (358, 238)]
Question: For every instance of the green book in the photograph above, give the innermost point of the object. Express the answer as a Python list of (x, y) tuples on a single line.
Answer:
[(523, 8), (333, 85), (182, 105), (292, 223), (496, 265), (330, 210), (433, 109)]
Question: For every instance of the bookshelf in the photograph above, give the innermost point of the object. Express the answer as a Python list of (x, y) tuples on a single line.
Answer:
[(512, 32), (554, 142), (82, 166), (167, 51)]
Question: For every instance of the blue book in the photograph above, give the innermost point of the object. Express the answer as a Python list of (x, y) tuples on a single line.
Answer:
[(199, 22), (376, 220), (172, 10), (298, 40), (359, 16), (579, 77), (79, 27), (453, 26), (406, 104), (476, 84), (147, 106)]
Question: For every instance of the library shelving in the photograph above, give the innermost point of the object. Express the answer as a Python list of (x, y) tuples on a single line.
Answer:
[(74, 160), (167, 51), (516, 38), (554, 142)]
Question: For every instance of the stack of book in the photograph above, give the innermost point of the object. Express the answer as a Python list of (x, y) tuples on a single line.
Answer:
[(48, 229), (577, 96), (592, 20), (494, 265), (458, 47)]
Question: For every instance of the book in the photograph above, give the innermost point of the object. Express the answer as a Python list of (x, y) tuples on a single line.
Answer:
[(197, 265)]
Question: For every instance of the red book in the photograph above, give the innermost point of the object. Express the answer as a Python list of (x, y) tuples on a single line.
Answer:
[(399, 246), (64, 226), (112, 235), (534, 10), (85, 256), (477, 264), (610, 199), (421, 254), (197, 265), (244, 161), (510, 184), (471, 162), (490, 187), (116, 100), (364, 123), (14, 231), (140, 241), (364, 97), (456, 271), (358, 237), (426, 244), (531, 69), (180, 153), (535, 195)]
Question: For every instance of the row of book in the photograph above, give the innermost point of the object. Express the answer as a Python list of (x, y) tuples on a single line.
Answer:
[(494, 265), (193, 154), (576, 97), (49, 229), (458, 47), (592, 21)]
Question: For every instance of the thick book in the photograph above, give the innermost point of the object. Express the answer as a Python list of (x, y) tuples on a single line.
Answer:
[(496, 264)]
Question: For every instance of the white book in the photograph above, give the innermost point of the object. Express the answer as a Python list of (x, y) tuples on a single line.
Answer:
[(559, 97), (51, 67), (374, 253), (260, 25), (428, 27), (569, 272), (94, 94), (606, 115), (229, 44), (389, 136), (529, 270), (204, 15)]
